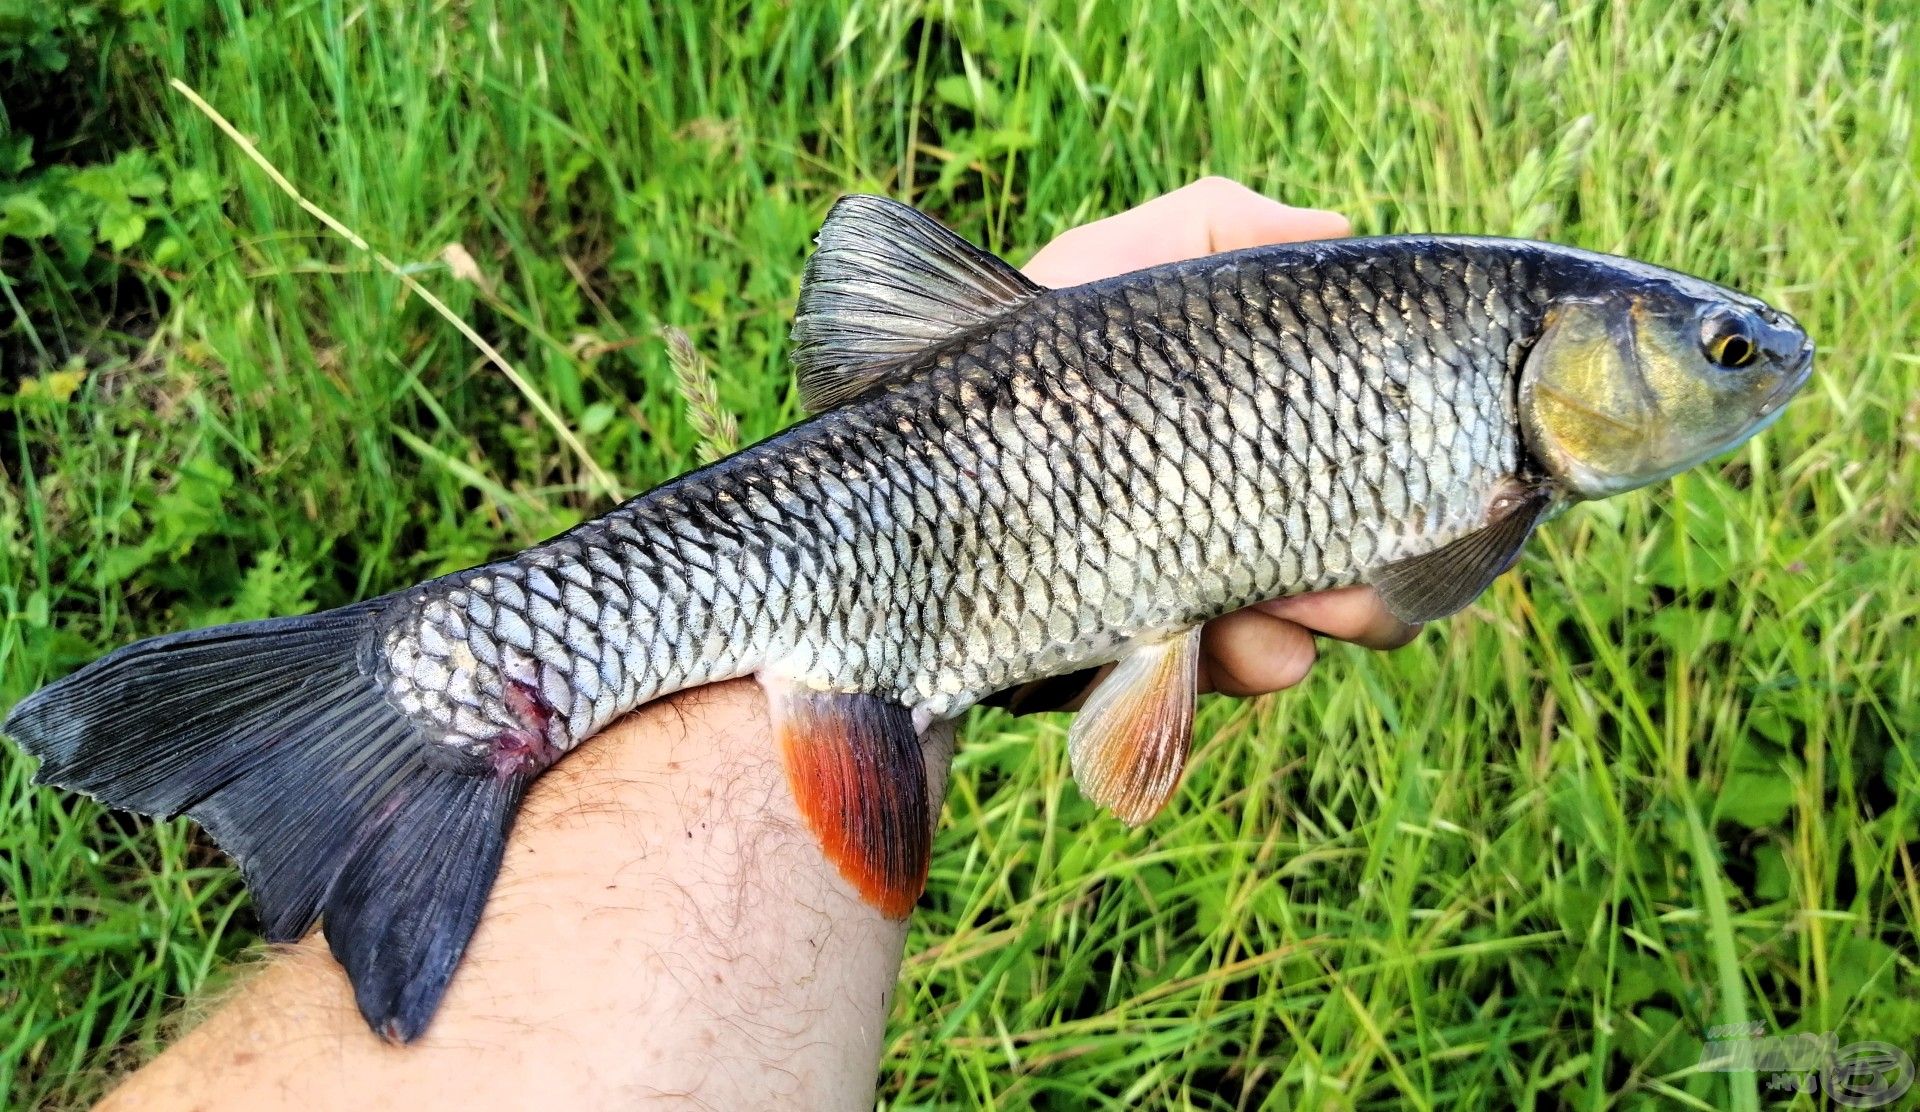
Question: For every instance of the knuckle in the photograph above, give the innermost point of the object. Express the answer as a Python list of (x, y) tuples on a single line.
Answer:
[(1217, 186)]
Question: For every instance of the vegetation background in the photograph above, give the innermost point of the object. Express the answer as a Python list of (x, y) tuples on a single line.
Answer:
[(1662, 779)]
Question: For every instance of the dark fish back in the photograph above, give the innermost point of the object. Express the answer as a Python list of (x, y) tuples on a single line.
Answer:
[(1106, 462)]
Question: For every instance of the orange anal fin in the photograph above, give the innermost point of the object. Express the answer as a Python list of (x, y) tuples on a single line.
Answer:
[(1129, 743), (857, 771)]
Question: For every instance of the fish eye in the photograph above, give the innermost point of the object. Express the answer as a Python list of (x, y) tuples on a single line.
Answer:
[(1728, 341)]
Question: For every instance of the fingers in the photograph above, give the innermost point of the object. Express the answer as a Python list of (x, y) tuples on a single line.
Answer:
[(1208, 216), (1251, 653), (1237, 217), (1353, 614), (1269, 646)]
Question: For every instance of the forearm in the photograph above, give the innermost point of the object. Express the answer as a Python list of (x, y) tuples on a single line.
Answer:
[(664, 927)]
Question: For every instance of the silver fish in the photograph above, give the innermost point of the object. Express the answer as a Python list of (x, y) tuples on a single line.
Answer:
[(1000, 483)]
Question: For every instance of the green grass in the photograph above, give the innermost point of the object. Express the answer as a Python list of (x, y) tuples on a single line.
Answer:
[(1663, 778)]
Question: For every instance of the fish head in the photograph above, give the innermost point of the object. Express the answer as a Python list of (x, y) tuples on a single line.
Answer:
[(1637, 383)]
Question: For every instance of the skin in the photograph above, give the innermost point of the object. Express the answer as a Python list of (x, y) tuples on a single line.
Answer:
[(664, 930)]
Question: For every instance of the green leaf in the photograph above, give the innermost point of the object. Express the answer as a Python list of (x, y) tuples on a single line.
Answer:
[(121, 562), (597, 417), (1577, 906), (122, 229), (192, 508), (1637, 977), (267, 588), (962, 91), (48, 56), (102, 183), (192, 187), (1856, 962), (1755, 799), (16, 153), (25, 216), (148, 184), (1771, 878)]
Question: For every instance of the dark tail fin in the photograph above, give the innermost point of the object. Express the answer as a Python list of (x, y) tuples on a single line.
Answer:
[(275, 739)]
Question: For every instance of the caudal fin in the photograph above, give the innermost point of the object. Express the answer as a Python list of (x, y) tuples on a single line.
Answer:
[(274, 738)]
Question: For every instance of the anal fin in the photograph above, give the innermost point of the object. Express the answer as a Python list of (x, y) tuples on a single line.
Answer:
[(857, 771), (1438, 583), (1129, 743)]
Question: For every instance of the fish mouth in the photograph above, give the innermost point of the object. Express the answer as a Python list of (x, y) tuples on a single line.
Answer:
[(1791, 384)]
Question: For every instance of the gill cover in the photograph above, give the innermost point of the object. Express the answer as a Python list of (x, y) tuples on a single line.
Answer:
[(1582, 407), (1632, 386)]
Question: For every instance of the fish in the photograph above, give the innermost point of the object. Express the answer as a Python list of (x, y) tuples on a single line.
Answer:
[(997, 483)]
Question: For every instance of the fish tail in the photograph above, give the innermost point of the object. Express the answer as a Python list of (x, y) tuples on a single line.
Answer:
[(275, 738)]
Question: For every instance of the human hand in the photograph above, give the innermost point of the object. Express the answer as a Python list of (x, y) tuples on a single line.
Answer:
[(1268, 646)]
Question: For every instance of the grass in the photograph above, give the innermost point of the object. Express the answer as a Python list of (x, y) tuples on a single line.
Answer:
[(1664, 778)]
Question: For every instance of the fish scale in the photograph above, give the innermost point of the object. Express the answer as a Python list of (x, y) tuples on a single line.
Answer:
[(1000, 484), (1232, 441)]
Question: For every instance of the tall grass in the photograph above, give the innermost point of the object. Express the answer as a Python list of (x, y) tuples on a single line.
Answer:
[(1663, 778)]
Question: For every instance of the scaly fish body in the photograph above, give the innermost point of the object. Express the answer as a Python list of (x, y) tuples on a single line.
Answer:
[(1110, 462), (1002, 484)]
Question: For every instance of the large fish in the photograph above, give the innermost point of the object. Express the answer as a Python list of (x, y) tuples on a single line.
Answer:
[(1000, 483)]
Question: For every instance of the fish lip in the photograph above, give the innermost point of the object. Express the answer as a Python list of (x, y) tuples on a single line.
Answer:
[(1790, 385)]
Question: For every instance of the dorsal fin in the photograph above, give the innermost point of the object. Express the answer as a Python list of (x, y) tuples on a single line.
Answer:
[(888, 281)]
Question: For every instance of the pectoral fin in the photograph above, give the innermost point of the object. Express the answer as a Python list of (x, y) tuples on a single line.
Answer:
[(1438, 583), (859, 775), (1129, 743)]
